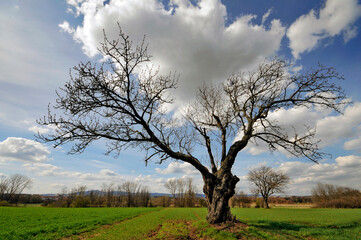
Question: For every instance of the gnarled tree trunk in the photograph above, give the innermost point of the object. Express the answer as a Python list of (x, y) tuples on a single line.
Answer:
[(218, 191)]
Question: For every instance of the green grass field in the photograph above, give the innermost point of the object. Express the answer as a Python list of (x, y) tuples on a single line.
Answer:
[(54, 223), (177, 223)]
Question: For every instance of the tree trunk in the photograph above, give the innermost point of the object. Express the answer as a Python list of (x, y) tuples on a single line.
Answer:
[(266, 202), (218, 191)]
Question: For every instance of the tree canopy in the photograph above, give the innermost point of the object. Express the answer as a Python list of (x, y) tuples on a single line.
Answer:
[(266, 181), (122, 102)]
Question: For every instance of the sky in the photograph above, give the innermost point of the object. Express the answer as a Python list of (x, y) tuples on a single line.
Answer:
[(203, 41)]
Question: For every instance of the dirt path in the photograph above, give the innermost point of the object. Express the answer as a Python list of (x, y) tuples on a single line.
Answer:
[(177, 230)]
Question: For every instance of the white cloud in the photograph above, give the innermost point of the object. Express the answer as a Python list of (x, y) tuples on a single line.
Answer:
[(332, 129), (349, 33), (304, 176), (353, 144), (66, 27), (44, 169), (349, 161), (24, 150), (335, 18), (107, 172), (177, 168), (192, 40), (266, 15), (38, 129), (40, 166)]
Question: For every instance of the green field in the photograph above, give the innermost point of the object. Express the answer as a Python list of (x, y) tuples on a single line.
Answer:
[(177, 223)]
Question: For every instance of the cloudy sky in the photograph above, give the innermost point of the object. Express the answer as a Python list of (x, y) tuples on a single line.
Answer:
[(203, 41)]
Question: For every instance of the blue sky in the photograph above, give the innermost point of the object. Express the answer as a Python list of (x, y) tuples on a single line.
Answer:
[(204, 40)]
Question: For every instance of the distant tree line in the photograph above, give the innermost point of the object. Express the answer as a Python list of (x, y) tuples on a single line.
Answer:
[(183, 192), (242, 200), (128, 194), (333, 196)]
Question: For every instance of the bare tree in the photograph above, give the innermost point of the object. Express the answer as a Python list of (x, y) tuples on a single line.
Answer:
[(181, 186), (266, 181), (122, 105), (4, 185), (171, 185), (108, 191), (71, 196), (16, 185), (130, 189), (190, 193), (143, 196), (182, 190), (94, 198)]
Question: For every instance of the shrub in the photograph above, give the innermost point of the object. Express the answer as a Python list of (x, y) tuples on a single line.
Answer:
[(81, 201), (259, 203), (4, 204)]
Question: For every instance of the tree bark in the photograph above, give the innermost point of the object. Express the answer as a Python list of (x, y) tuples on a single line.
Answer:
[(218, 191), (265, 198)]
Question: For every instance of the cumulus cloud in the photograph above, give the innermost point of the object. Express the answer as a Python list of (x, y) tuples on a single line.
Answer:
[(332, 129), (192, 40), (66, 27), (38, 129), (107, 172), (177, 168), (335, 18), (353, 144), (349, 161), (304, 176), (24, 150), (45, 169)]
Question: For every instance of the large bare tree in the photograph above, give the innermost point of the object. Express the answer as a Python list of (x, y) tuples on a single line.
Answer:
[(123, 105), (266, 181)]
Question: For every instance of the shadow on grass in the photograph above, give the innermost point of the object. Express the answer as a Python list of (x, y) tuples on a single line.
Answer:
[(303, 230), (276, 225)]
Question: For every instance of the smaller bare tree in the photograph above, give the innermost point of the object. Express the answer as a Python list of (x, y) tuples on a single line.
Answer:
[(143, 196), (130, 189), (4, 185), (266, 181), (172, 187), (190, 195), (109, 192), (16, 185)]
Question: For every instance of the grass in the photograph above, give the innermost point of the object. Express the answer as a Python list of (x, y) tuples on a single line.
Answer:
[(282, 223), (150, 224), (177, 223), (54, 223)]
